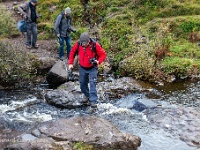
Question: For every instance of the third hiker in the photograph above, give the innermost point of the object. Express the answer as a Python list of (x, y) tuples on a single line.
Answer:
[(28, 9)]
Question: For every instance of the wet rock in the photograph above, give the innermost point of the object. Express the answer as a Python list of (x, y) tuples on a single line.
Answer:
[(39, 144), (67, 98), (69, 95), (138, 106), (92, 132), (179, 121)]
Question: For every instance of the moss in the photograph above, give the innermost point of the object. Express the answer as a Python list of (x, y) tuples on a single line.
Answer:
[(82, 146)]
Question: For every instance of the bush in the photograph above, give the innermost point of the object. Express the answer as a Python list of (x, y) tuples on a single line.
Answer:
[(15, 64), (8, 26)]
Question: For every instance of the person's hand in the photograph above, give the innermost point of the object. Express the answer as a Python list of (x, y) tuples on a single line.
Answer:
[(58, 35), (97, 62), (70, 66), (25, 16), (74, 30), (39, 16)]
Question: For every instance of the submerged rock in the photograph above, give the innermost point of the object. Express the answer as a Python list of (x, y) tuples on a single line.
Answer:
[(89, 131)]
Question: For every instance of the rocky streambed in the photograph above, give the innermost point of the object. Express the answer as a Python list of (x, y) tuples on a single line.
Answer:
[(161, 119)]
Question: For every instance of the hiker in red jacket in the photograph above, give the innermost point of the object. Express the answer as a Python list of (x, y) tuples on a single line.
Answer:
[(91, 54)]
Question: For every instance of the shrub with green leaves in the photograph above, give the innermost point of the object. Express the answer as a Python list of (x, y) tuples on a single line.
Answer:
[(15, 64), (7, 23), (140, 65)]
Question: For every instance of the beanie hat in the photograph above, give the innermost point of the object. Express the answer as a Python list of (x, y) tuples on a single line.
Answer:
[(84, 38), (34, 1), (68, 10)]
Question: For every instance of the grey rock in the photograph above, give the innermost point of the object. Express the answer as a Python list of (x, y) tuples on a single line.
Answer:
[(92, 131)]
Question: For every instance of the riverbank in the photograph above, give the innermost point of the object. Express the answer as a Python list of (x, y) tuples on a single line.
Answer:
[(153, 55)]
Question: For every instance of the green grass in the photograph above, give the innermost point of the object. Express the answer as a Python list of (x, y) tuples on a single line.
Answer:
[(177, 66), (122, 23), (186, 50)]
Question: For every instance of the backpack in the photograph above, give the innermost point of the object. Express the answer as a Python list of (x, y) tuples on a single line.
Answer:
[(62, 16), (22, 25), (60, 25)]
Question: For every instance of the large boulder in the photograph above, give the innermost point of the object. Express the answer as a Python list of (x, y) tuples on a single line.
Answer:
[(58, 73), (89, 132)]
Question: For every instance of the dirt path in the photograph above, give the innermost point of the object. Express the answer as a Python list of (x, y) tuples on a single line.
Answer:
[(47, 48)]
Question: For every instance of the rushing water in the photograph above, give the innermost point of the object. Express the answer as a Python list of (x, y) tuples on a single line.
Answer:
[(154, 117)]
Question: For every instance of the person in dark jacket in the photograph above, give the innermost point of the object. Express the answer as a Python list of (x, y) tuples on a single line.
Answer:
[(88, 70), (63, 27), (28, 11)]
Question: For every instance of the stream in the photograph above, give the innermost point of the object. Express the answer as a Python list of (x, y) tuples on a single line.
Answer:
[(166, 119)]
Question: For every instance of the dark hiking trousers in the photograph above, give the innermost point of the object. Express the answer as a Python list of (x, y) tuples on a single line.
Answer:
[(89, 76), (31, 29), (68, 44)]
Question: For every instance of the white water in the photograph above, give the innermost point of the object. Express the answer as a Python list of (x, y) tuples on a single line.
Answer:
[(25, 116), (120, 113), (136, 123)]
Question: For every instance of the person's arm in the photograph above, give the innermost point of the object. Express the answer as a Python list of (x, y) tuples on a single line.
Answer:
[(72, 55), (71, 27), (57, 23), (22, 9), (100, 53)]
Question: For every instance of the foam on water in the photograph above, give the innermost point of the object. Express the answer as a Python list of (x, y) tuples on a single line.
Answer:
[(24, 116), (107, 108), (13, 105)]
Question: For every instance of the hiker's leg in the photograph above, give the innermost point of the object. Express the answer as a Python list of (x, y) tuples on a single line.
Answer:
[(28, 34), (83, 79), (61, 50), (93, 82), (34, 31), (68, 44)]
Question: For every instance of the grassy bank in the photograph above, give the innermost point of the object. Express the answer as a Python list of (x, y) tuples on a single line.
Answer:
[(143, 38)]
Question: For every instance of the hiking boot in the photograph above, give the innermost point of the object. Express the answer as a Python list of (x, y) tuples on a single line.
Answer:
[(62, 58), (36, 46), (28, 46), (85, 101), (93, 105), (92, 108)]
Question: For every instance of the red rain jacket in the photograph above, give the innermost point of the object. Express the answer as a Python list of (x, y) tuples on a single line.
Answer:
[(87, 54)]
